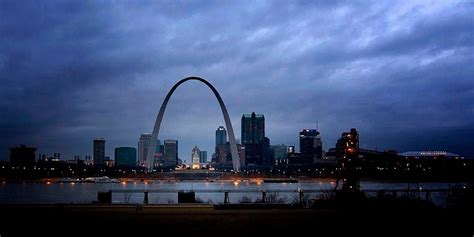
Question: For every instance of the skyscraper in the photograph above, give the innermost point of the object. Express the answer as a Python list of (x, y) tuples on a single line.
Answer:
[(99, 151), (252, 128), (170, 152), (125, 156), (253, 138), (347, 150), (221, 136), (143, 144), (311, 146), (265, 150), (222, 153), (203, 156)]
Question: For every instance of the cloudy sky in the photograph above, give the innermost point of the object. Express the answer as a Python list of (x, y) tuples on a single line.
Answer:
[(400, 72)]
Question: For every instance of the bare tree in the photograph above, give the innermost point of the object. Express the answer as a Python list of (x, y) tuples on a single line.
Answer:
[(245, 199), (275, 198)]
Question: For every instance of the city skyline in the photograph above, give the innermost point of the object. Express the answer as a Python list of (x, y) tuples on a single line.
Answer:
[(400, 73)]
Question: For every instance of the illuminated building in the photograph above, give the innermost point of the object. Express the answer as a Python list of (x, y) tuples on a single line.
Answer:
[(195, 157), (280, 154), (430, 155), (109, 162), (291, 149), (347, 149), (221, 136)]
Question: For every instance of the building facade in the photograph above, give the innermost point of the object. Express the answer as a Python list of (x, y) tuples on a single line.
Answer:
[(252, 128), (195, 158), (170, 153), (203, 156), (221, 136), (280, 153), (143, 146), (126, 156), (311, 146), (99, 151), (253, 138), (22, 155)]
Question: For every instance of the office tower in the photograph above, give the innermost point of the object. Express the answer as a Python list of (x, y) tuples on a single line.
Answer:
[(143, 144), (253, 138), (311, 146), (265, 150), (170, 152), (203, 156), (99, 151), (221, 136), (223, 154), (125, 156), (252, 128), (347, 150)]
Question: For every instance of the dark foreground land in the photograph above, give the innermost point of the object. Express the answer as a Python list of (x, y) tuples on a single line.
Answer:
[(209, 220)]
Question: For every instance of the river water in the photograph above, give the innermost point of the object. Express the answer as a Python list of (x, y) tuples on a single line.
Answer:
[(51, 193)]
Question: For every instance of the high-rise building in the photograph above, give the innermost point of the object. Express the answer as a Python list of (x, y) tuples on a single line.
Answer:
[(253, 138), (22, 155), (221, 136), (125, 156), (222, 153), (203, 156), (241, 150), (252, 128), (347, 150), (143, 144), (253, 154), (99, 151), (311, 146), (267, 159), (195, 158), (170, 152)]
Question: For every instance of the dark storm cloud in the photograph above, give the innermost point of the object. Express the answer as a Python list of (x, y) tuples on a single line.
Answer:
[(71, 71)]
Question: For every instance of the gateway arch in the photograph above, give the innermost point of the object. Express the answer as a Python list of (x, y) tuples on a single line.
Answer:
[(228, 124)]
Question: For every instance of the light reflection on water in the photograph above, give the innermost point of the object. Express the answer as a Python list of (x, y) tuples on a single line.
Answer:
[(49, 193)]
